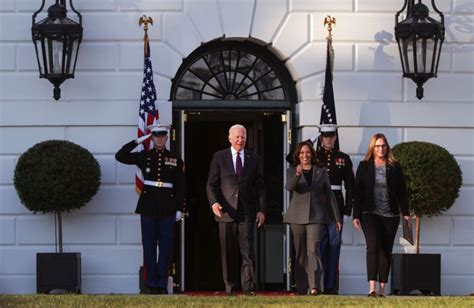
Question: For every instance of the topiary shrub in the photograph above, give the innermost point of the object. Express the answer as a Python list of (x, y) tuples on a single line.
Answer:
[(433, 179), (55, 176)]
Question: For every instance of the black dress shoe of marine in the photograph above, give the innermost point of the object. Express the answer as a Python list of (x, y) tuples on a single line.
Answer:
[(151, 290), (331, 292)]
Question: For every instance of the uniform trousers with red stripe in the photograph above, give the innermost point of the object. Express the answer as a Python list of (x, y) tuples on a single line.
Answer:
[(157, 232)]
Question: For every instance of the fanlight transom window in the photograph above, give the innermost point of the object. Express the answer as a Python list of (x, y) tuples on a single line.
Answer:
[(230, 74)]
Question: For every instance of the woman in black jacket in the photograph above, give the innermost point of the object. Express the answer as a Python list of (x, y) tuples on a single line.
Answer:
[(379, 197)]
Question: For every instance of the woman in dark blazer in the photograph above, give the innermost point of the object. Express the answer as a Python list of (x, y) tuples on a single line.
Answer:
[(379, 197), (311, 206)]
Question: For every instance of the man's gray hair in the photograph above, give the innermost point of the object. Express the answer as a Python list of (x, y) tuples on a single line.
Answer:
[(237, 126)]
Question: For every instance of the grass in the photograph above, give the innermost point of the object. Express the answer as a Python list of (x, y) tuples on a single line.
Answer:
[(224, 301)]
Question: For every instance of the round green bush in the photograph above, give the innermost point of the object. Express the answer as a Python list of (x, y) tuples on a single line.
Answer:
[(56, 176), (432, 175)]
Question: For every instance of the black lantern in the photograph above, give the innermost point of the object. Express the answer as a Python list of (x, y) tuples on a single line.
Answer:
[(57, 39), (419, 39)]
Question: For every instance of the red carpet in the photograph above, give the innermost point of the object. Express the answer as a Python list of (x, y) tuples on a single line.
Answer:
[(222, 293)]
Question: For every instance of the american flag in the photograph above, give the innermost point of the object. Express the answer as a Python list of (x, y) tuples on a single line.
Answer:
[(328, 109), (147, 112)]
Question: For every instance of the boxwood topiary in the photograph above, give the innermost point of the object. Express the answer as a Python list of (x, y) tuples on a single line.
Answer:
[(55, 176), (433, 179)]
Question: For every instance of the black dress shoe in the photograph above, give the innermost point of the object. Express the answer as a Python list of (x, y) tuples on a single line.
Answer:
[(314, 292), (150, 290), (330, 292), (250, 293), (372, 294)]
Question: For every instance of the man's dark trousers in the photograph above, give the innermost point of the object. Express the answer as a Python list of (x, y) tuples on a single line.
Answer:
[(159, 230), (330, 252), (235, 236)]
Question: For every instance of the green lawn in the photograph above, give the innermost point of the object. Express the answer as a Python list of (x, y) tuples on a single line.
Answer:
[(224, 301)]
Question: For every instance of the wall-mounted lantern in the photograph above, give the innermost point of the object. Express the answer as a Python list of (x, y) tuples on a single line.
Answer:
[(419, 39), (57, 39)]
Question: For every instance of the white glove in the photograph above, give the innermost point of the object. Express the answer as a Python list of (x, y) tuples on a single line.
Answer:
[(178, 216), (143, 138)]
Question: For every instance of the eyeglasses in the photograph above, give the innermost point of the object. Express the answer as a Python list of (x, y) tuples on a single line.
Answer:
[(380, 146)]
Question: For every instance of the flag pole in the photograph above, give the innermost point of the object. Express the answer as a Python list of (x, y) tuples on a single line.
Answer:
[(328, 109), (145, 20)]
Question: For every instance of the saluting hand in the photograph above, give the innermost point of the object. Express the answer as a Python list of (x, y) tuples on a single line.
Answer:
[(142, 138)]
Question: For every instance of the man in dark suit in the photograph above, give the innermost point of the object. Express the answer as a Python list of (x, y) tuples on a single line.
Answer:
[(160, 200), (236, 193)]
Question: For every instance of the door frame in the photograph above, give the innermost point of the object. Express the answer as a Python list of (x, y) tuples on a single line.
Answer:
[(179, 138)]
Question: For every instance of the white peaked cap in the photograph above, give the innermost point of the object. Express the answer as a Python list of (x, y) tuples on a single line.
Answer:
[(156, 128), (327, 128)]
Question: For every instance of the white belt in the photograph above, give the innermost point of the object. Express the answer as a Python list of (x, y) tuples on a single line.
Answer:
[(158, 184), (336, 187)]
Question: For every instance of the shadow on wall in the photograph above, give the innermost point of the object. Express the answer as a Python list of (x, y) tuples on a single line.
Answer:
[(376, 116), (382, 61), (462, 24)]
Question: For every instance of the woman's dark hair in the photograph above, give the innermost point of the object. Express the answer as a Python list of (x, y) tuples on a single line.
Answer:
[(296, 154)]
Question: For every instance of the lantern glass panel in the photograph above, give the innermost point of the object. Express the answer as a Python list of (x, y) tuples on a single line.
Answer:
[(436, 55), (54, 51), (72, 56), (39, 55), (424, 55), (407, 52)]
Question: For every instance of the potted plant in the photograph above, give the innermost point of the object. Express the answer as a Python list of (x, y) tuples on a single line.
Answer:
[(433, 179), (52, 177)]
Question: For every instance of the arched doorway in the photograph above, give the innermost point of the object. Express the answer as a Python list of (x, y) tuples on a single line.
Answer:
[(223, 82)]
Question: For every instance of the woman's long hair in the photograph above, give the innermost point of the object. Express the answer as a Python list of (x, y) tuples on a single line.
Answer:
[(296, 154), (370, 150)]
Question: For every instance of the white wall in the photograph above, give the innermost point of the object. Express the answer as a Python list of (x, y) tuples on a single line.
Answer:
[(98, 111)]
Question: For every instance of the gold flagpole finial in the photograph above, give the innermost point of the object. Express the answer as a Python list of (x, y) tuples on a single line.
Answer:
[(145, 20), (329, 21)]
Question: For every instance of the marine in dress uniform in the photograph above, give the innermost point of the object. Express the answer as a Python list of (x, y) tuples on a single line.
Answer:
[(161, 198), (339, 167)]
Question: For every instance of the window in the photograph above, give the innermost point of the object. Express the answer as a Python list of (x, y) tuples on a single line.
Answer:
[(233, 70)]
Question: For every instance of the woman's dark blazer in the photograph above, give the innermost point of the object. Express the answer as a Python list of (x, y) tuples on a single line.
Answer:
[(318, 196), (364, 189)]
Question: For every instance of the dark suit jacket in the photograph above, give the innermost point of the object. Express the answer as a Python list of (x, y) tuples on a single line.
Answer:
[(364, 189), (339, 168), (156, 201), (316, 198), (224, 188)]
